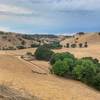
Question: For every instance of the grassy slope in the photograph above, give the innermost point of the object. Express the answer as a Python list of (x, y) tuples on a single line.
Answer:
[(48, 87)]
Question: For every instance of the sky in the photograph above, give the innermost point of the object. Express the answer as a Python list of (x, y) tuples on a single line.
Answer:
[(50, 16)]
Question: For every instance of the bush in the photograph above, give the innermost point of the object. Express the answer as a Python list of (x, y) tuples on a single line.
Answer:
[(11, 48), (54, 45), (85, 70), (86, 45), (96, 61), (81, 33), (80, 45), (29, 53), (60, 56), (23, 42), (34, 45), (67, 45), (73, 45), (60, 68), (97, 81), (71, 63), (20, 47), (43, 53)]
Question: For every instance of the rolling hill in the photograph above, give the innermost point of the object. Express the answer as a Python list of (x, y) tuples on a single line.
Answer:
[(90, 38)]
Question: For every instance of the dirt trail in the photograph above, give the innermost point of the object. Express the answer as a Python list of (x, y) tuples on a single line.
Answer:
[(48, 87)]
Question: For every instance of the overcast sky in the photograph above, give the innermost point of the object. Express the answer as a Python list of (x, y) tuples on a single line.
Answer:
[(50, 16)]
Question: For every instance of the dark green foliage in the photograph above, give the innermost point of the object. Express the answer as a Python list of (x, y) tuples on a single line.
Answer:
[(11, 48), (86, 44), (60, 68), (23, 42), (43, 53), (71, 63), (20, 47), (97, 81), (81, 33), (61, 56), (38, 36), (96, 61), (34, 45), (29, 53), (85, 70), (80, 45), (54, 45), (67, 45), (73, 45)]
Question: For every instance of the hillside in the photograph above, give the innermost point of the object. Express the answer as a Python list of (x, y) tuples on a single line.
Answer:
[(47, 87), (13, 41), (34, 78), (90, 38)]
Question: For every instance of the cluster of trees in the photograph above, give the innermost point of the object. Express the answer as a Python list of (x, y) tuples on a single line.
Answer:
[(74, 45), (37, 36), (43, 53), (66, 65), (80, 33), (35, 45), (20, 47), (85, 69), (54, 45)]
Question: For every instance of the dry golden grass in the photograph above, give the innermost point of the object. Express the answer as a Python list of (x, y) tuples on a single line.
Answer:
[(9, 93), (45, 86)]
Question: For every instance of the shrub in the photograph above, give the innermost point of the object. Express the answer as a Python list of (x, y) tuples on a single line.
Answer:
[(71, 63), (20, 47), (34, 45), (97, 81), (60, 68), (86, 44), (11, 48), (43, 53), (99, 33), (85, 70), (29, 53), (60, 56), (96, 61), (67, 45), (73, 45), (23, 42), (80, 45), (81, 33), (54, 45)]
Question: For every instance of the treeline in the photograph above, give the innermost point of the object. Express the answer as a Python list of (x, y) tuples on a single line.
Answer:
[(86, 69), (38, 36)]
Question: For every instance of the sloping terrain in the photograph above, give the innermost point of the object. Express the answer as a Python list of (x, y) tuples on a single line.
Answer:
[(34, 77), (46, 86), (8, 93), (90, 38), (12, 41)]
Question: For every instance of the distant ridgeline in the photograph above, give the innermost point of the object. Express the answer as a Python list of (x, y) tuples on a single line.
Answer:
[(13, 41), (30, 37)]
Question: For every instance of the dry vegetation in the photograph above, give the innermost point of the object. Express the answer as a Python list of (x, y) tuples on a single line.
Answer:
[(46, 86), (8, 93)]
